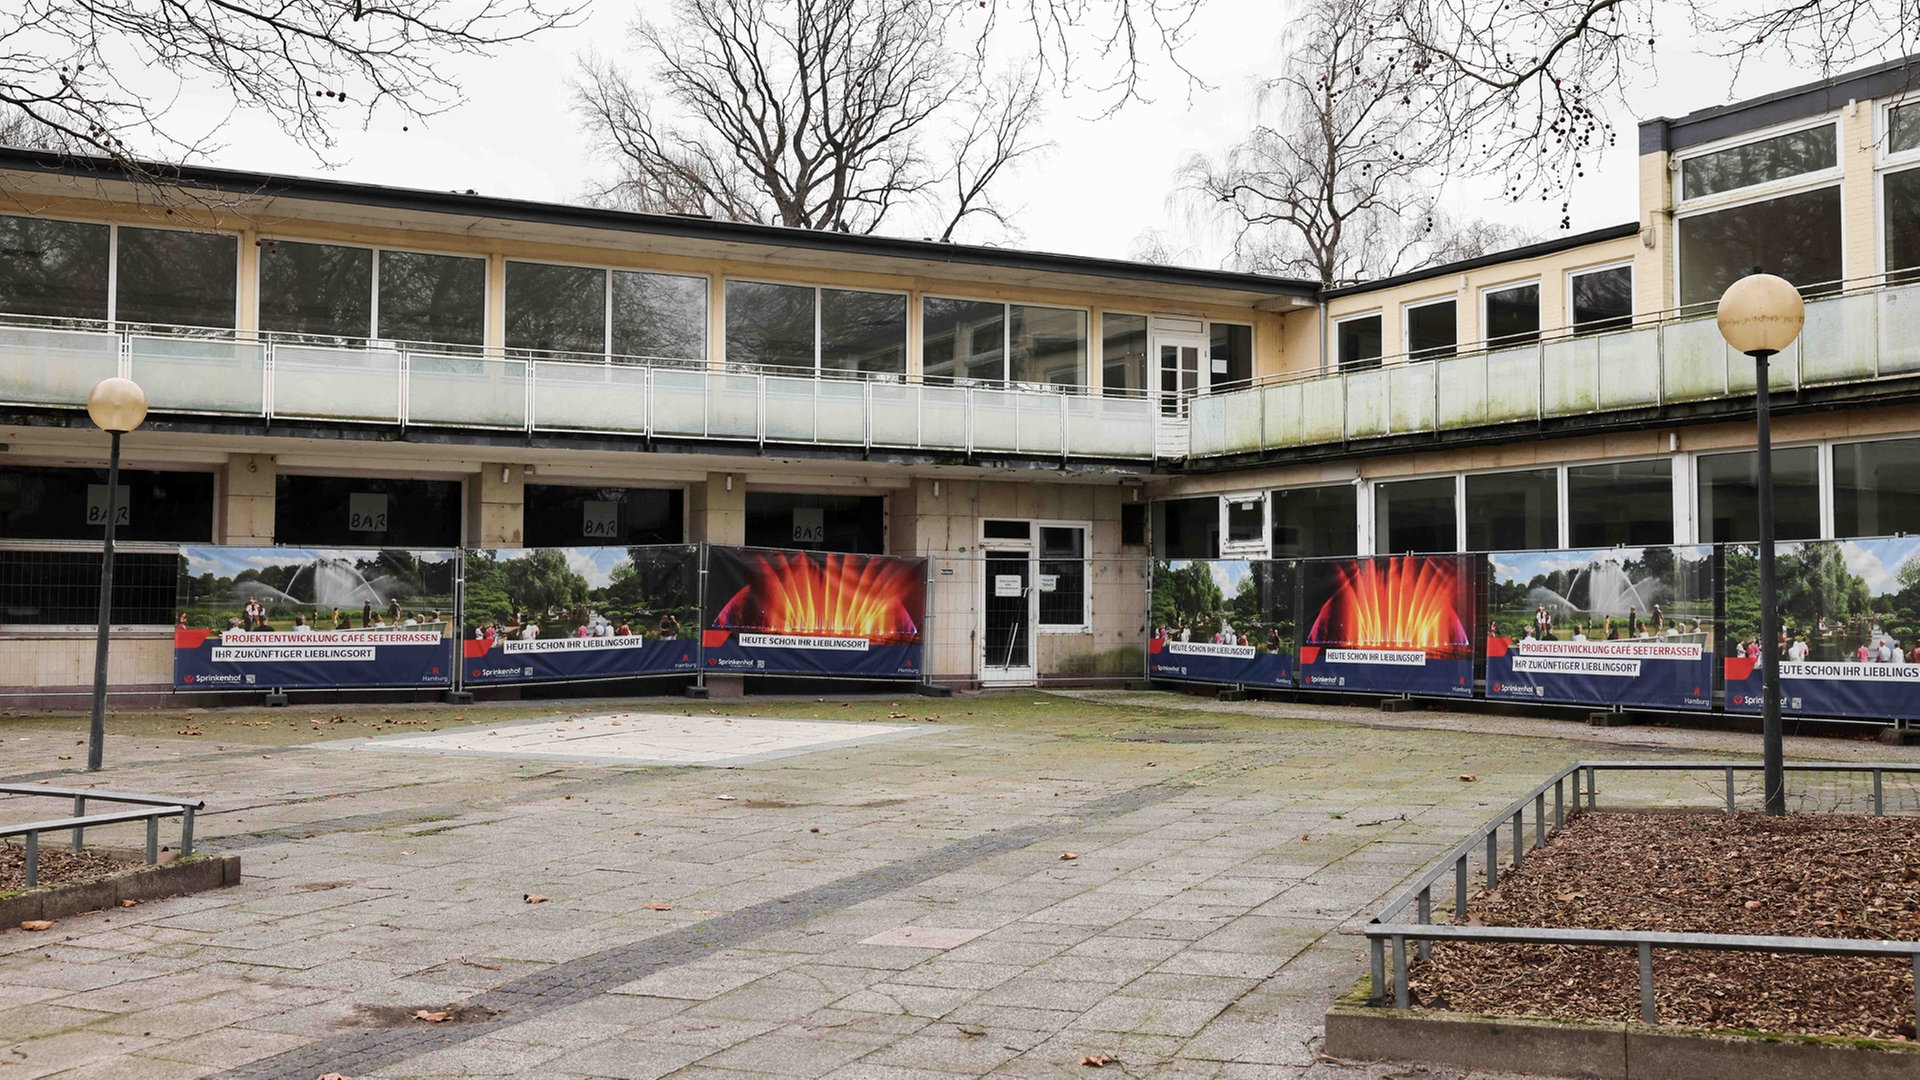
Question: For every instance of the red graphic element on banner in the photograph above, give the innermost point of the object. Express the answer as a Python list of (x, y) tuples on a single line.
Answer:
[(1402, 602), (1739, 668), (835, 595), (1309, 654), (185, 638), (713, 639), (1498, 646), (1155, 644), (474, 648)]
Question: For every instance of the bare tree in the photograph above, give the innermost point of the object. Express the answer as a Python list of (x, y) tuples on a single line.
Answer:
[(1333, 188), (21, 130), (816, 114), (103, 75)]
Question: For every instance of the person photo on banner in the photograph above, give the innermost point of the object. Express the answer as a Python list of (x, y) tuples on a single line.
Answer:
[(366, 615)]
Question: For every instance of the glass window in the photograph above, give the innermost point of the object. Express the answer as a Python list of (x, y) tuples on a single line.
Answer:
[(1246, 520), (1513, 511), (770, 325), (561, 515), (71, 504), (1601, 299), (1729, 496), (1186, 529), (53, 268), (1316, 521), (659, 316), (1903, 128), (1793, 154), (1902, 213), (1794, 236), (1629, 503), (318, 290), (856, 523), (62, 588), (1123, 355), (1046, 345), (863, 331), (1063, 565), (963, 339), (1876, 488), (556, 308), (1433, 330), (1513, 315), (1360, 342), (168, 277), (438, 299), (1232, 356), (1414, 516), (349, 511)]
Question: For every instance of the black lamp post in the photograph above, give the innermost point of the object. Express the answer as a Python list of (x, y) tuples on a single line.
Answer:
[(117, 406), (1760, 315)]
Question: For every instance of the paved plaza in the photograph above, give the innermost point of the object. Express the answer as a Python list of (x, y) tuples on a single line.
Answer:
[(904, 889)]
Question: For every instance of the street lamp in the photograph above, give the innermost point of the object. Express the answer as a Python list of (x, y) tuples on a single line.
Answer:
[(117, 406), (1760, 315)]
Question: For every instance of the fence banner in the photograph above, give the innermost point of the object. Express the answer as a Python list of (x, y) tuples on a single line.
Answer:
[(543, 614), (1391, 624), (1850, 612), (295, 618), (1222, 620), (1621, 626), (813, 613)]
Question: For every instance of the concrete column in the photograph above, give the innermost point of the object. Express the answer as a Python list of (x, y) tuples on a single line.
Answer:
[(1653, 284), (1858, 183), (497, 507), (715, 514), (247, 520)]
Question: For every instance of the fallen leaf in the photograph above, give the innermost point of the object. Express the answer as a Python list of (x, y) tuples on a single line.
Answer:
[(816, 828), (1753, 905), (1467, 777), (432, 1017), (128, 903), (534, 898), (334, 1076), (36, 924), (1097, 1061), (1069, 855), (659, 907)]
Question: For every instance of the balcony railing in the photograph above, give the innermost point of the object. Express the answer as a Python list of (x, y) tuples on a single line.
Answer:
[(1868, 333), (224, 373)]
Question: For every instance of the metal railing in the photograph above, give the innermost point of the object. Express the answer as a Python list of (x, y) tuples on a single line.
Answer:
[(153, 808), (1387, 935), (1869, 332), (236, 373)]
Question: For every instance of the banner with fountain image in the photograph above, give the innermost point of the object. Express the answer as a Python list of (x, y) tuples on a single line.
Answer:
[(1222, 620), (1620, 626), (265, 618), (1850, 613), (543, 614), (813, 613), (1394, 624)]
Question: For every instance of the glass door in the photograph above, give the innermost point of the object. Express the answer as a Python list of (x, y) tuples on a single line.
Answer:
[(1008, 617), (1180, 372)]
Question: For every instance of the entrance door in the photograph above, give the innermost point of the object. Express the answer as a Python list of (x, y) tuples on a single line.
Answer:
[(1180, 371), (1008, 609)]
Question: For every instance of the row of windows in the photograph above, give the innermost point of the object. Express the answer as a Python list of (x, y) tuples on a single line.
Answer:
[(331, 292), (1871, 489), (1597, 299)]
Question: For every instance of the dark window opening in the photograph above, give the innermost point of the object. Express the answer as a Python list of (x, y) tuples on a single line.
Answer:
[(855, 523), (1415, 516), (1629, 503), (1602, 299), (1513, 316), (560, 515), (366, 512), (1361, 342), (1514, 511), (1433, 330), (1730, 496), (1314, 522), (1794, 236)]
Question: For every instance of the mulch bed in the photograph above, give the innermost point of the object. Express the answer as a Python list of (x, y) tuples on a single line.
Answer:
[(58, 865), (1824, 875)]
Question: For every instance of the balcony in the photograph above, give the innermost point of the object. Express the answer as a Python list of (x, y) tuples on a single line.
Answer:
[(1860, 335), (229, 374)]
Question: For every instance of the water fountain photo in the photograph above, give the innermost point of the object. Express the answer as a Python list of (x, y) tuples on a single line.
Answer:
[(295, 590)]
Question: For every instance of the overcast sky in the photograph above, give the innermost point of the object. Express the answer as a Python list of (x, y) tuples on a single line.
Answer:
[(1106, 180)]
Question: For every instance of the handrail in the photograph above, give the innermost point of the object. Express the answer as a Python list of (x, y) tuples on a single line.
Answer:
[(154, 807)]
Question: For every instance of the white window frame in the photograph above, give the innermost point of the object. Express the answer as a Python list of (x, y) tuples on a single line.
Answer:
[(1539, 316), (1361, 493), (1098, 319), (1883, 152), (1406, 324), (1371, 313), (1904, 165), (1566, 293), (906, 340), (1459, 514), (1006, 340), (1253, 353), (1680, 485), (606, 291), (113, 267), (1822, 483), (1682, 203), (380, 250), (1086, 577), (373, 280), (1560, 499), (1257, 548)]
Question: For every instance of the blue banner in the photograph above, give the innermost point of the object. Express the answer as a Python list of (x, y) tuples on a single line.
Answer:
[(1654, 672), (289, 618), (548, 614), (1222, 620), (813, 613)]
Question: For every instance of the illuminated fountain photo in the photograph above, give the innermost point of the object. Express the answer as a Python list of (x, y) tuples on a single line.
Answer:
[(832, 595), (1402, 602)]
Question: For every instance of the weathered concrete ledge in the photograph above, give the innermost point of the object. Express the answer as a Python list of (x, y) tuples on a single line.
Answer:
[(197, 873), (1601, 1050)]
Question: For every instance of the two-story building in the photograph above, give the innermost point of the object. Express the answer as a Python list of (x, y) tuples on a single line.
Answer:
[(491, 366)]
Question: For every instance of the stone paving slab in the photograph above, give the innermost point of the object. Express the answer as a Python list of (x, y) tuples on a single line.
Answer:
[(1210, 916), (630, 738)]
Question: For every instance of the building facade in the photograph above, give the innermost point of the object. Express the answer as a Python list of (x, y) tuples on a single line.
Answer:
[(501, 374)]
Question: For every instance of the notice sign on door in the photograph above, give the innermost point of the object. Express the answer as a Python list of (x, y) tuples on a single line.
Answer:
[(366, 512), (600, 519), (809, 525), (1006, 584), (1049, 582), (97, 506)]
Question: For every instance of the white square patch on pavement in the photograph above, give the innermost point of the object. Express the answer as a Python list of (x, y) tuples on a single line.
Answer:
[(923, 937), (642, 739)]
